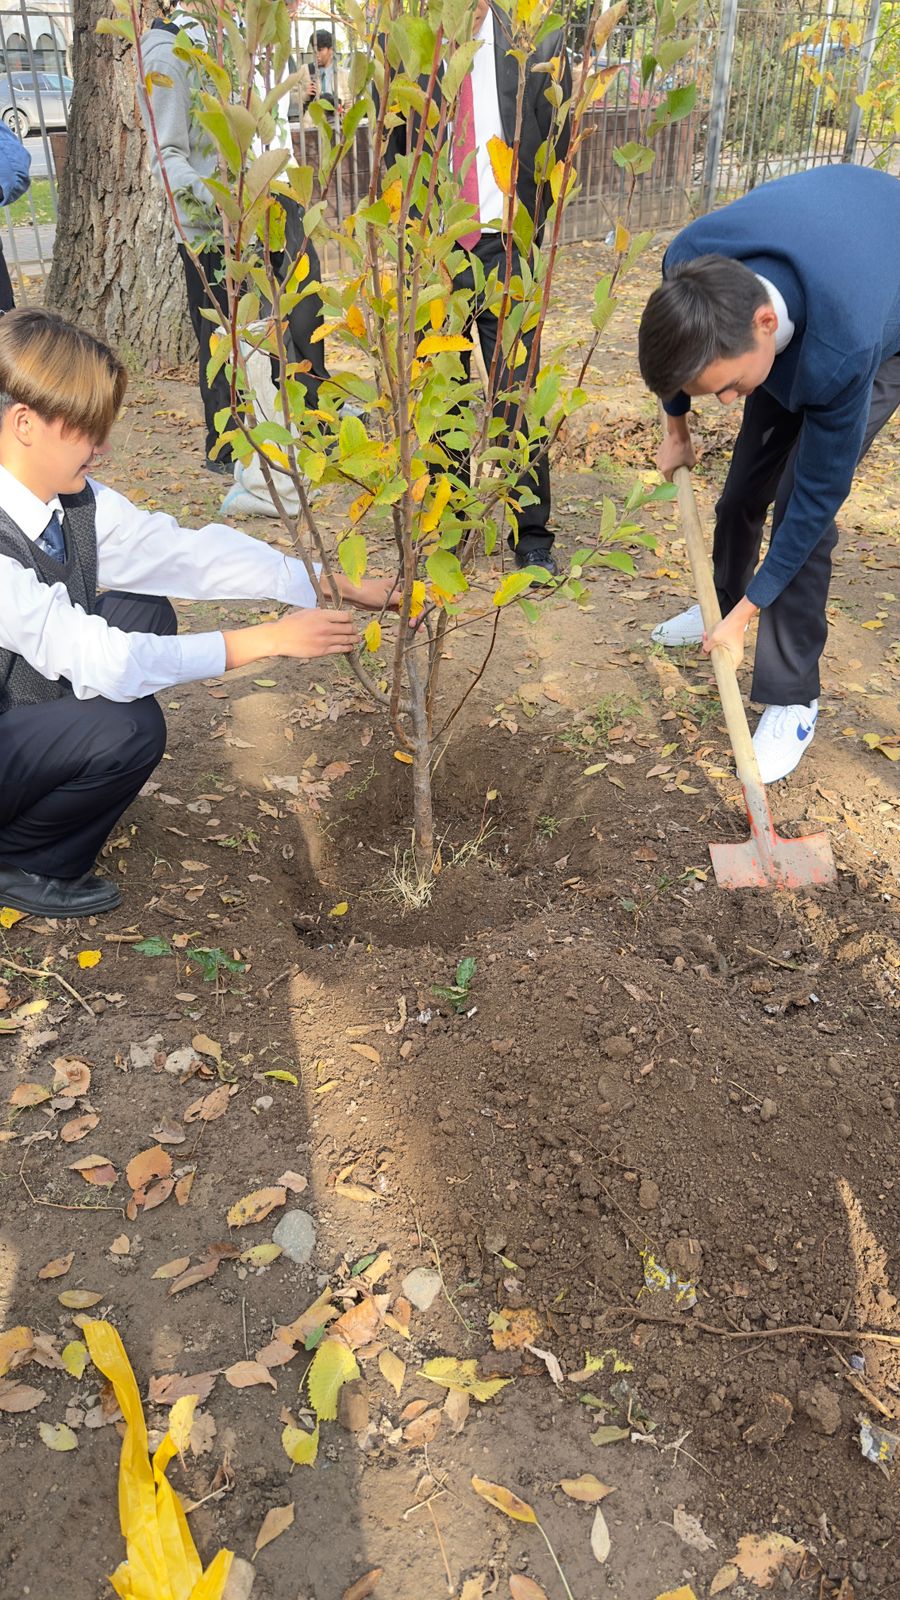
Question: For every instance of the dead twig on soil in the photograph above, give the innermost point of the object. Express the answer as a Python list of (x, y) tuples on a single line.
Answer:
[(47, 972), (57, 1205), (451, 1587), (806, 1329), (450, 1300)]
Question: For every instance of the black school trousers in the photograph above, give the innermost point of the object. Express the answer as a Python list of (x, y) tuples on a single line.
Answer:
[(532, 533), (793, 630), (69, 768), (305, 318)]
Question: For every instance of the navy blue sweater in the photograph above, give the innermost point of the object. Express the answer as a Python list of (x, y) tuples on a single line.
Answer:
[(829, 239)]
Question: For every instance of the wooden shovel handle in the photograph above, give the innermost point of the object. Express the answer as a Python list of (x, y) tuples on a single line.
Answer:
[(723, 666)]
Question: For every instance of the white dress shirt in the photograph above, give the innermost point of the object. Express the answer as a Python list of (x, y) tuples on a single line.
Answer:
[(144, 552), (492, 203), (784, 332)]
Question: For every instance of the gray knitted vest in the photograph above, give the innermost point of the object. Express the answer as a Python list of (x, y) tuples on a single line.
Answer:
[(20, 684)]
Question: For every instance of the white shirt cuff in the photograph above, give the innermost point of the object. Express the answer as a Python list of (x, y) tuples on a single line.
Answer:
[(202, 656)]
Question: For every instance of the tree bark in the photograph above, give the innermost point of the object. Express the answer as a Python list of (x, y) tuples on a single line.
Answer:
[(115, 263)]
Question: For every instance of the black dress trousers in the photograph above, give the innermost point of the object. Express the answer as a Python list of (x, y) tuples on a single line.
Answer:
[(69, 768)]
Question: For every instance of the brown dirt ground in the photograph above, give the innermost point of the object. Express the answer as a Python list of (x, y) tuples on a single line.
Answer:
[(646, 1061)]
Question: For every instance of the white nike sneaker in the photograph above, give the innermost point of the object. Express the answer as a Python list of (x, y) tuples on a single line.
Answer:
[(783, 735), (686, 628)]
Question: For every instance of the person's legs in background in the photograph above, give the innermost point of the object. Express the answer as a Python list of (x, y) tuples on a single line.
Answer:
[(216, 396)]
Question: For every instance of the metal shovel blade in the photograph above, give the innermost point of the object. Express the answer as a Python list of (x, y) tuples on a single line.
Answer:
[(774, 864)]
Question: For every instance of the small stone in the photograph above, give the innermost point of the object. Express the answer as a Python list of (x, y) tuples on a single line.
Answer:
[(772, 1420), (422, 1287), (296, 1233), (845, 1130), (495, 1241), (820, 1404), (648, 1195), (141, 1056), (240, 1580), (353, 1406), (685, 1257), (617, 1048), (768, 1110)]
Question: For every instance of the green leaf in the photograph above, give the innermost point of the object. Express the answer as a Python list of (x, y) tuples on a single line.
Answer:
[(672, 50), (514, 584), (638, 157), (334, 1365), (353, 555), (154, 946), (680, 102), (415, 41), (620, 559), (352, 437), (465, 972), (444, 570)]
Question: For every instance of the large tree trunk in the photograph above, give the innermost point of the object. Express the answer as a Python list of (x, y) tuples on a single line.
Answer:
[(115, 264)]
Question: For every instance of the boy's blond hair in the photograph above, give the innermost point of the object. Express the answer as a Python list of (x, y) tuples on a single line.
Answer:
[(60, 371)]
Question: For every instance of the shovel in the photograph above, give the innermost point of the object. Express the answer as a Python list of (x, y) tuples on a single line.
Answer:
[(765, 861)]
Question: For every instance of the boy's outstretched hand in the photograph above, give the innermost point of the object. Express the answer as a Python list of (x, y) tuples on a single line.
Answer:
[(308, 633), (373, 594)]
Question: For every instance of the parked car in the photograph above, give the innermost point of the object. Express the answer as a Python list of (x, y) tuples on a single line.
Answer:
[(28, 98)]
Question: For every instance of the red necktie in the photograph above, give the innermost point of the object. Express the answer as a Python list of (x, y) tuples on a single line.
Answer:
[(463, 148)]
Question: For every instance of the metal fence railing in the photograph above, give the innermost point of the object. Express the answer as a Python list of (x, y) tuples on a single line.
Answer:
[(782, 85)]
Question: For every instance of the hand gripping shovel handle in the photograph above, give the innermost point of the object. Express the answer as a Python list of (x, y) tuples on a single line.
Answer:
[(766, 860)]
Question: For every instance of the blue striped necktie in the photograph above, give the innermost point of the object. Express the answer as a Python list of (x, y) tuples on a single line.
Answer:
[(53, 540)]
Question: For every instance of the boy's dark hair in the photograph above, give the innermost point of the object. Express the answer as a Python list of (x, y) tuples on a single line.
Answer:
[(323, 40), (60, 371), (702, 312)]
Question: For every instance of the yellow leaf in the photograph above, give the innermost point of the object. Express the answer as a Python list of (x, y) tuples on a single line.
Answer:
[(260, 1255), (300, 1447), (437, 311), (333, 1366), (13, 1340), (392, 1369), (432, 516), (501, 164), (417, 602), (515, 1329), (75, 1358), (372, 636), (401, 755), (587, 1489), (340, 910), (463, 1377), (622, 240), (8, 917), (393, 197), (181, 1421), (280, 1076), (89, 958), (78, 1299), (275, 1522), (356, 322), (360, 506), (684, 1593), (417, 492), (504, 1500), (58, 1438), (436, 344), (255, 1207), (873, 626)]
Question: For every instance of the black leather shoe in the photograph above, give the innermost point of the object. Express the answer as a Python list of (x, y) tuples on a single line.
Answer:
[(225, 469), (86, 896), (525, 557)]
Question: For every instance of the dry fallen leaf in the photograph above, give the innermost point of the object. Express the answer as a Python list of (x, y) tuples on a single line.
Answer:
[(275, 1522), (524, 1588), (255, 1207), (760, 1557), (58, 1267), (95, 1169), (456, 1409), (19, 1396), (77, 1128), (210, 1106), (170, 1387), (79, 1299), (724, 1578), (521, 1328), (198, 1273), (587, 1489), (550, 1362), (368, 1052), (422, 1429), (11, 1342), (244, 1374), (147, 1165), (28, 1094), (364, 1586), (71, 1075), (392, 1369), (354, 1191), (57, 1438), (121, 1245), (600, 1540), (205, 1046), (294, 1181), (504, 1500), (183, 1188), (172, 1269), (690, 1531)]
